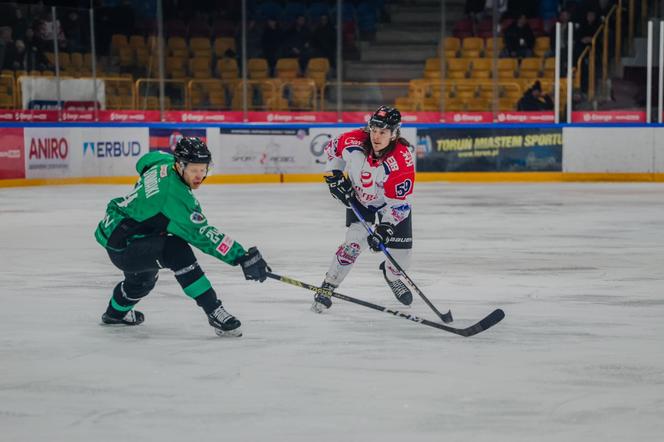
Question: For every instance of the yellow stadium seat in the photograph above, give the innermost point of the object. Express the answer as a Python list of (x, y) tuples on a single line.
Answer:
[(432, 68), (405, 104), (542, 46), (489, 50), (506, 68), (549, 68), (177, 44), (317, 69), (136, 41), (302, 94), (118, 41), (126, 57), (457, 68), (199, 64), (479, 104), (257, 68), (482, 68), (200, 47), (451, 47), (228, 68), (530, 67), (223, 44), (287, 68), (472, 47)]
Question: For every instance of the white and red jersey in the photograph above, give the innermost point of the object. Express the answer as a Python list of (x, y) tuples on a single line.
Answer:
[(383, 184)]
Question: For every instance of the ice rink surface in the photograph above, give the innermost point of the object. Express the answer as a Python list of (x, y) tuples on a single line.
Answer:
[(578, 269)]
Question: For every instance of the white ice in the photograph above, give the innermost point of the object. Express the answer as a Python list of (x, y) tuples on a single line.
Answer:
[(578, 269)]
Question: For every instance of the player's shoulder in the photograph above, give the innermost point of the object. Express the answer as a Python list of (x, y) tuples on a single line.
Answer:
[(355, 137), (400, 158), (152, 159)]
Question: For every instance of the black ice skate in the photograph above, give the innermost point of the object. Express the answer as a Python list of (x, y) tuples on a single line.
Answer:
[(133, 317), (224, 323), (322, 302), (400, 290)]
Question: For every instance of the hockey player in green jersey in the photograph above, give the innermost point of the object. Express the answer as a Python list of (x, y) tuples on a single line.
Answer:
[(153, 227)]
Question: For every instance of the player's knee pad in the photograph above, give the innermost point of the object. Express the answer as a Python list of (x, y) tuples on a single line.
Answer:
[(177, 254), (348, 252), (138, 285)]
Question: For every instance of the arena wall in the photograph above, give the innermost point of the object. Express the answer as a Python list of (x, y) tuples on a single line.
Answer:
[(75, 153)]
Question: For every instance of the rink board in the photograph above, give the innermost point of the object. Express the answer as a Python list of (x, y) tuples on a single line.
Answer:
[(46, 154)]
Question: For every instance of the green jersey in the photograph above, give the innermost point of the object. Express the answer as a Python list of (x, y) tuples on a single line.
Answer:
[(161, 204)]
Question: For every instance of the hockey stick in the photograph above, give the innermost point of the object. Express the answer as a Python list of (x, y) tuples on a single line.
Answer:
[(446, 317), (487, 322)]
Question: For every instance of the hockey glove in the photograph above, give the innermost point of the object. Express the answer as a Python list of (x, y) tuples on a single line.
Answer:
[(340, 187), (253, 265), (381, 235)]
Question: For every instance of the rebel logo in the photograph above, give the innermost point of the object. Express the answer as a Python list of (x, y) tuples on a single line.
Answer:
[(366, 179), (48, 149)]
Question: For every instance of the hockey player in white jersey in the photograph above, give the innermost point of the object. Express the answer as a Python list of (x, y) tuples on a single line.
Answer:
[(381, 176)]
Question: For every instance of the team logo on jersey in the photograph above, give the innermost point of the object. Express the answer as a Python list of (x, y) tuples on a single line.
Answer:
[(225, 245), (392, 164), (163, 171), (348, 253), (351, 141), (366, 179), (197, 218)]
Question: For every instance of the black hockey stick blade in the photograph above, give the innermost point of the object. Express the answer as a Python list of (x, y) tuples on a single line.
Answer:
[(489, 321)]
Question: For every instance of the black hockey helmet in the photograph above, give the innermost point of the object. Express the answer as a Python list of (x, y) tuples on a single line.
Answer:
[(386, 117), (192, 150)]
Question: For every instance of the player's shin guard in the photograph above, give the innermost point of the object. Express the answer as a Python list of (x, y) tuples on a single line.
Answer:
[(125, 296)]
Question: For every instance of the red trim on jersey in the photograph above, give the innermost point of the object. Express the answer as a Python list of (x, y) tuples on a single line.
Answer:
[(401, 179), (354, 138)]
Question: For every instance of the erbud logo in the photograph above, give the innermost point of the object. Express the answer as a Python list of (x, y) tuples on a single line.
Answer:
[(48, 149), (112, 149)]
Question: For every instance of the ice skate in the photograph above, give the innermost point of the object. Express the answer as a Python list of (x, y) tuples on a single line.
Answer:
[(322, 302), (224, 323), (133, 317), (400, 290)]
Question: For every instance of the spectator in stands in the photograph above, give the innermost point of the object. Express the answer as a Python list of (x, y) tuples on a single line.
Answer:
[(75, 30), (20, 58), (324, 40), (253, 39), (519, 39), (6, 45), (271, 42), (587, 29), (563, 18), (501, 5), (17, 21), (50, 29), (533, 100), (298, 41), (474, 9)]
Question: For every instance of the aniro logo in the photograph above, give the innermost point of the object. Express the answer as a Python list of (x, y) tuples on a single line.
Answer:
[(48, 149)]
